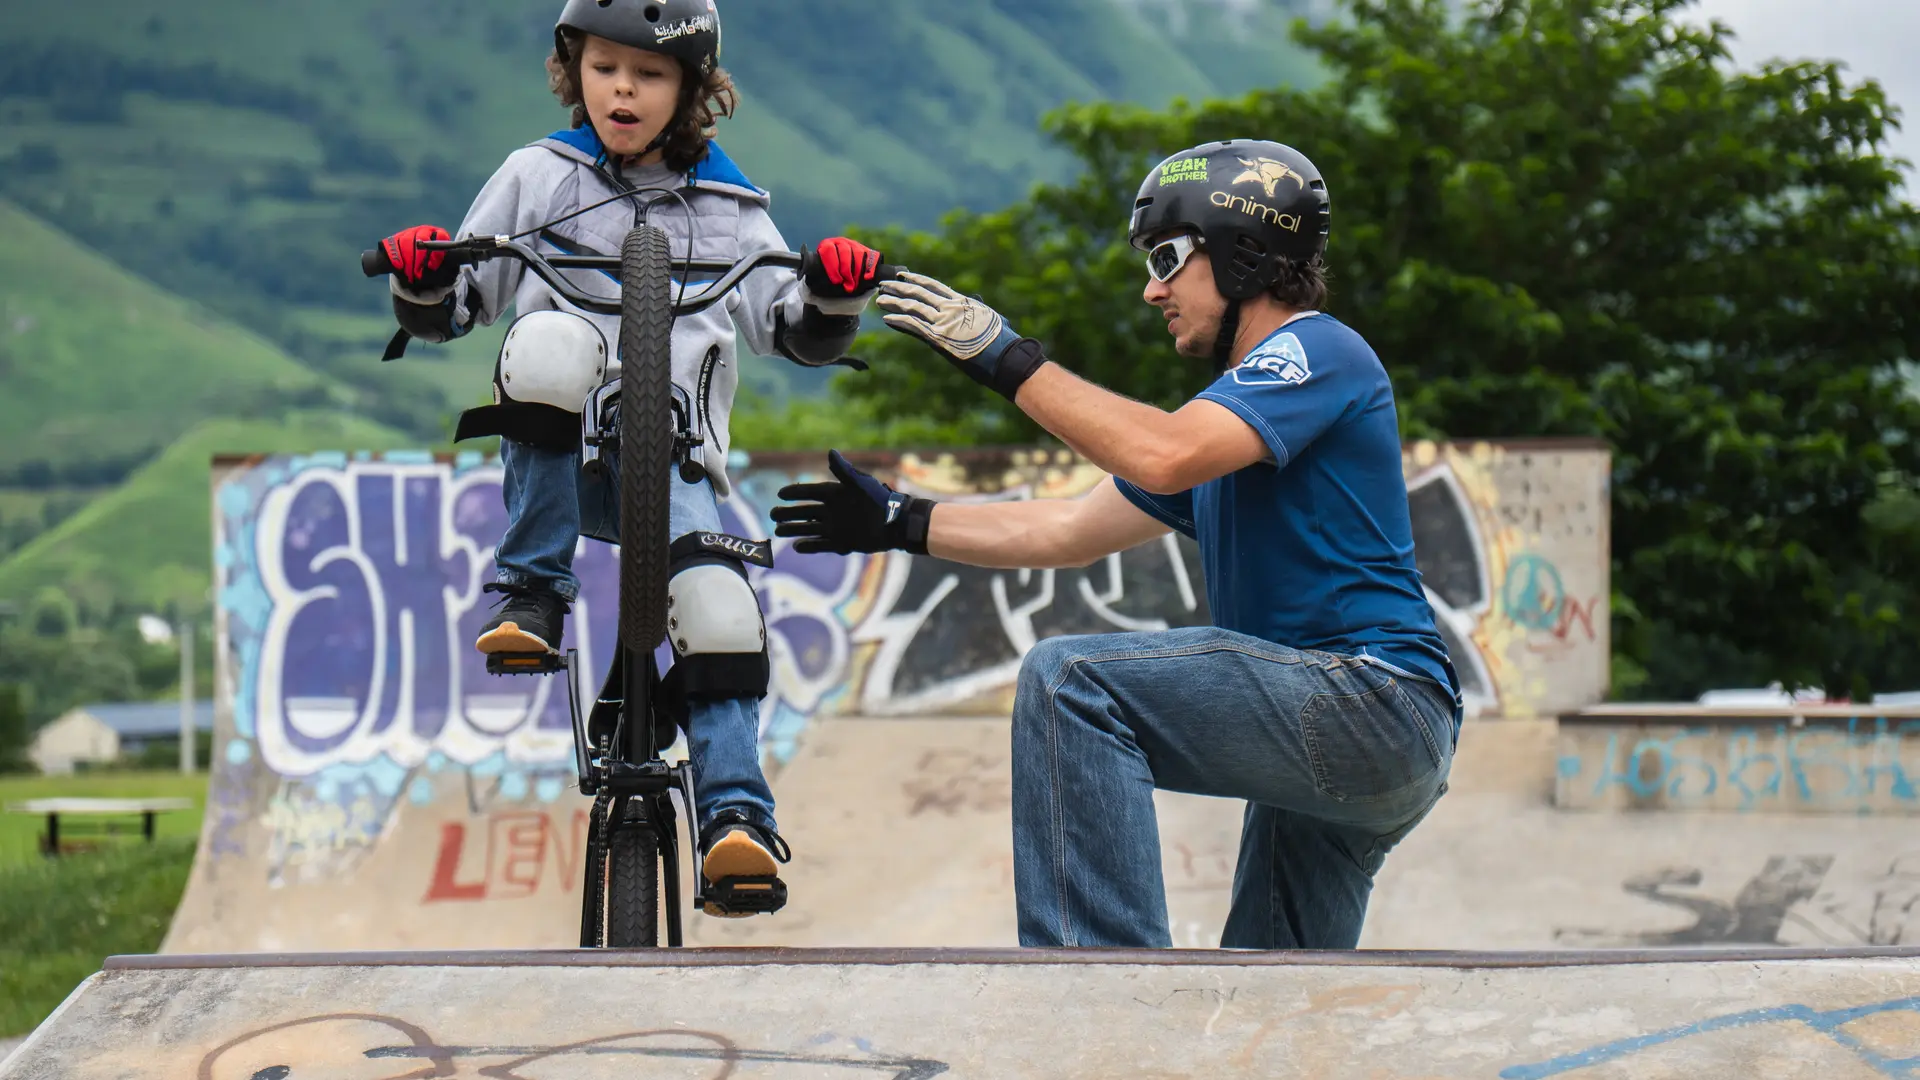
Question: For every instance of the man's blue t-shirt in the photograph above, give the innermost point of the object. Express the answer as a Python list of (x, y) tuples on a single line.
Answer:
[(1313, 549)]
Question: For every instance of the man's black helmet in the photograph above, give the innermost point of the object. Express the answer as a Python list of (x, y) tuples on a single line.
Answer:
[(687, 30), (1253, 203)]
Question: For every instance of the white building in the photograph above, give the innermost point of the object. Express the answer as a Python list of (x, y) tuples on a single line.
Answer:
[(109, 731)]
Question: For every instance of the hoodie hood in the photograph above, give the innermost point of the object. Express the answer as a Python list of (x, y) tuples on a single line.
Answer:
[(714, 172)]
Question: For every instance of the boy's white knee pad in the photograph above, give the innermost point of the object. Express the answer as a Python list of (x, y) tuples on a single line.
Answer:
[(551, 358), (711, 609)]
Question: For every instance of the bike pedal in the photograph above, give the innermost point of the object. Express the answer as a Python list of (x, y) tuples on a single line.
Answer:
[(525, 663), (736, 896)]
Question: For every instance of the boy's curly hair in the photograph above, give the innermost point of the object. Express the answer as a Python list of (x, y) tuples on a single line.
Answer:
[(702, 101)]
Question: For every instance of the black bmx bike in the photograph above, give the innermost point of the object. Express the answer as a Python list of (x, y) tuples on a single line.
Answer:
[(650, 427)]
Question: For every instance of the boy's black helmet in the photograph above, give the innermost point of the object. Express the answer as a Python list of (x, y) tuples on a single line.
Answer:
[(687, 30), (1253, 203)]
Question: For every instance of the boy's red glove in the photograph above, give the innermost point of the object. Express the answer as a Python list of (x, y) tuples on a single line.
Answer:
[(420, 269), (840, 268)]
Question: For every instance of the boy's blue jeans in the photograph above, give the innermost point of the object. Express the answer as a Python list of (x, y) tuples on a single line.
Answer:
[(1336, 758), (550, 505)]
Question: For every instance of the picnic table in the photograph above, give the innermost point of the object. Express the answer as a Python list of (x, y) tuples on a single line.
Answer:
[(55, 808)]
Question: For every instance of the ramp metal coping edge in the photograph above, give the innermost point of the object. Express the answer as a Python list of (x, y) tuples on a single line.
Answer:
[(763, 956), (1866, 718)]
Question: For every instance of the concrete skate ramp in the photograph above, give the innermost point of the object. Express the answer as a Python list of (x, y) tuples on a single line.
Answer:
[(902, 836), (1498, 866), (373, 787), (911, 1015)]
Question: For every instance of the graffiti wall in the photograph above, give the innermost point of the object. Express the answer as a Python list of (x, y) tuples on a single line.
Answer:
[(1512, 543), (351, 592)]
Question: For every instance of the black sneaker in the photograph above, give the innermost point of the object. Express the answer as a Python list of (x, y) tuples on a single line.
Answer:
[(738, 861), (530, 621)]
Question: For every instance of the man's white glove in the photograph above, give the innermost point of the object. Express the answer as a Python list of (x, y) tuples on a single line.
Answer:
[(972, 336)]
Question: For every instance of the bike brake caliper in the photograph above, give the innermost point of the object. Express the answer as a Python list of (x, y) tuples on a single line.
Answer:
[(687, 437)]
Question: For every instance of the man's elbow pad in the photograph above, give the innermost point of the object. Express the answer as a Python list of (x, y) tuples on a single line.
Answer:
[(819, 339)]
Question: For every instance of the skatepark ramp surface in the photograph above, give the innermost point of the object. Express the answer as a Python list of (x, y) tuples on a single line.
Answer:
[(374, 788), (1003, 1014)]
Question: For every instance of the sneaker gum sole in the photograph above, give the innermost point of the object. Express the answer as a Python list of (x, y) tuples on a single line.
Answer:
[(509, 638), (736, 855)]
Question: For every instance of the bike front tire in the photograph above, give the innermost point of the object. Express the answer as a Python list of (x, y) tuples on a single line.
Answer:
[(646, 434)]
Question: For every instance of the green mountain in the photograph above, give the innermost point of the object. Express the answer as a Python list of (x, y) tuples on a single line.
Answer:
[(102, 369), (148, 543), (108, 378), (244, 154)]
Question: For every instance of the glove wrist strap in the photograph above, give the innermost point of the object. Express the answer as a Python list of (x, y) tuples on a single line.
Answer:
[(919, 521), (1016, 365)]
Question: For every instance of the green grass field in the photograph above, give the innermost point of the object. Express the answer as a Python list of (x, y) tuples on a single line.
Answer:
[(60, 918), (20, 833)]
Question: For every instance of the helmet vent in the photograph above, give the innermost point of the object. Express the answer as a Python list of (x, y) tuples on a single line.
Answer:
[(653, 12), (604, 3)]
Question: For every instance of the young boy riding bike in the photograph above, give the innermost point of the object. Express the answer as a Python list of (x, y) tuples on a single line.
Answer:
[(644, 82)]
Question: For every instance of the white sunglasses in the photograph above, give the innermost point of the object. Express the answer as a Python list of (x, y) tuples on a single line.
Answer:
[(1168, 256)]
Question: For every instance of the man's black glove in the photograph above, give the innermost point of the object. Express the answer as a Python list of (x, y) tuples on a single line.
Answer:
[(854, 513)]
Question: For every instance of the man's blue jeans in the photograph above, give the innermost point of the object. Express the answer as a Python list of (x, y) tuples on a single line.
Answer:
[(1336, 758), (550, 506)]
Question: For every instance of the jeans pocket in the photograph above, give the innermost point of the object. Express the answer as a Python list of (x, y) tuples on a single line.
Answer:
[(1366, 738)]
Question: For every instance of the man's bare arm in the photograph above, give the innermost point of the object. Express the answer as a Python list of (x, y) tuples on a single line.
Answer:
[(1163, 452), (1040, 534)]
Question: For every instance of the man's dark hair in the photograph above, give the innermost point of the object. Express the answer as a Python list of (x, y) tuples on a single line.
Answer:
[(1301, 285)]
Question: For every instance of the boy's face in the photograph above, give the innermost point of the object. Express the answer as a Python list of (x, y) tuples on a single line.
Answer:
[(630, 93)]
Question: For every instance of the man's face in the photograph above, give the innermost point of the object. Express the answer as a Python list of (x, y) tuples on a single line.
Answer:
[(1192, 306), (630, 93)]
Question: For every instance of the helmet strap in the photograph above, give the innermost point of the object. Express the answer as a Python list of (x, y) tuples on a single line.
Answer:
[(1223, 341)]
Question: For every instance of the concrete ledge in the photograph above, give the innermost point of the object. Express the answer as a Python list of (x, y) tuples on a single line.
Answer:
[(866, 957), (1845, 1018), (1833, 760), (1619, 713)]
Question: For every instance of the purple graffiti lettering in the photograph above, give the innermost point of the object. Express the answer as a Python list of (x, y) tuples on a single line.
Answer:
[(331, 649)]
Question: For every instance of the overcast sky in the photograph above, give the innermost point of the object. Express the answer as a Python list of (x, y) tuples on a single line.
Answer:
[(1873, 38)]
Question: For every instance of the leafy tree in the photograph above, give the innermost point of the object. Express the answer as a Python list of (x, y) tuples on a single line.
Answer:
[(1556, 217), (15, 733)]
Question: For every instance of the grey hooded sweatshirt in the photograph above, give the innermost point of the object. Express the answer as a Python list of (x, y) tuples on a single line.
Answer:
[(724, 218)]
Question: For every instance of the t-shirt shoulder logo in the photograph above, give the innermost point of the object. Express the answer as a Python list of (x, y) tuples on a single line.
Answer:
[(1282, 360)]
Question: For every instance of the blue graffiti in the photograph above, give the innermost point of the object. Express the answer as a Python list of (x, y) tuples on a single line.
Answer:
[(353, 594), (1855, 763), (1532, 593), (1828, 1023)]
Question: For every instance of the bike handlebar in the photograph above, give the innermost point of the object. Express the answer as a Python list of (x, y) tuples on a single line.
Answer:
[(476, 249)]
